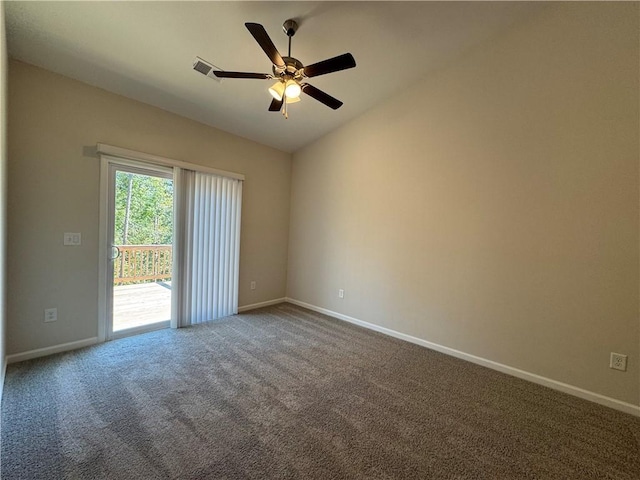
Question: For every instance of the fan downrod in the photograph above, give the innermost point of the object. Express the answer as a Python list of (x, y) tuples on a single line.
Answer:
[(293, 66)]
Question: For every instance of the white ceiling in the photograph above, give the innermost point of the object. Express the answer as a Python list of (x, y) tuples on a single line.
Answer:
[(145, 51)]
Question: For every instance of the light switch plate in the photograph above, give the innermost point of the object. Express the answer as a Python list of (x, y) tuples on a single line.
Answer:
[(73, 239)]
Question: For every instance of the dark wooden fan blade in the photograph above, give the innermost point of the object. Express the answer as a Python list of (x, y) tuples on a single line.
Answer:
[(259, 76), (335, 64), (276, 105), (322, 97), (261, 36)]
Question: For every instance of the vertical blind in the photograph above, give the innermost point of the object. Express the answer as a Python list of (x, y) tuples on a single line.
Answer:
[(210, 241)]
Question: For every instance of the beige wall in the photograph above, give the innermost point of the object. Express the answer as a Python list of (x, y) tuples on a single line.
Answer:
[(3, 192), (492, 208), (54, 188)]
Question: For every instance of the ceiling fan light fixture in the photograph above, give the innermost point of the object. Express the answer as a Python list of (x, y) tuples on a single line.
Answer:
[(277, 90), (292, 90), (289, 71)]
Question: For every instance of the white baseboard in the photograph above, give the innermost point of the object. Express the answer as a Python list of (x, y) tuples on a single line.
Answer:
[(253, 306), (532, 377), (42, 352)]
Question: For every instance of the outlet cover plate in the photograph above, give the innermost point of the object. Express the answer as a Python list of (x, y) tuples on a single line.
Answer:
[(50, 314), (618, 361)]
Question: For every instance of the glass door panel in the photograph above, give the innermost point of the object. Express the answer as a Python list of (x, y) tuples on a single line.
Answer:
[(141, 235)]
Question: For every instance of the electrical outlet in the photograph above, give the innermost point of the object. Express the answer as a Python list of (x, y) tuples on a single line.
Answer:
[(341, 293), (618, 361), (253, 285), (50, 314)]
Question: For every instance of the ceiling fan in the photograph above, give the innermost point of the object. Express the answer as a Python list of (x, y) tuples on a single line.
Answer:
[(289, 72)]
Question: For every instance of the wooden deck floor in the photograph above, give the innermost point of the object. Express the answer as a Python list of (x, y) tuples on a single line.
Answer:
[(141, 304)]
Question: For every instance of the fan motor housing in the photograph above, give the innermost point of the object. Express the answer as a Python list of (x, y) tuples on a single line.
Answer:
[(292, 68)]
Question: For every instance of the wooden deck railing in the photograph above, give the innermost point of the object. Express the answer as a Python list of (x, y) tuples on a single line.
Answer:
[(142, 263)]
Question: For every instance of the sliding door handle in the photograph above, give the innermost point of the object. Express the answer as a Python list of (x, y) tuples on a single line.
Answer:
[(117, 252)]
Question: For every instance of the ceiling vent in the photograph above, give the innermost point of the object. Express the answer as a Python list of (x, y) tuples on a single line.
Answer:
[(205, 68)]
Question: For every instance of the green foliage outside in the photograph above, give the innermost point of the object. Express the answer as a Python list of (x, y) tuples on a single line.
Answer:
[(144, 210)]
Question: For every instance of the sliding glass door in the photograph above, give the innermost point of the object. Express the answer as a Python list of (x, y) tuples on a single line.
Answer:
[(169, 243)]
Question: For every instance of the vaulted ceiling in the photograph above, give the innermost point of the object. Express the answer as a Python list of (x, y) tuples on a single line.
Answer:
[(145, 51)]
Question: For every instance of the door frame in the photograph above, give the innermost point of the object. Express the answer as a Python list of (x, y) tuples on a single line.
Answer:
[(108, 167)]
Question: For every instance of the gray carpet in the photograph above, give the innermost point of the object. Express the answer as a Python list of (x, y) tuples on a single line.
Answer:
[(283, 392)]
